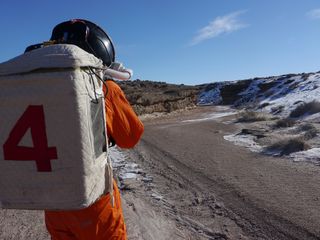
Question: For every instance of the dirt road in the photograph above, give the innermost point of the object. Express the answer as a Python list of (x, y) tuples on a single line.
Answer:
[(196, 185), (215, 190)]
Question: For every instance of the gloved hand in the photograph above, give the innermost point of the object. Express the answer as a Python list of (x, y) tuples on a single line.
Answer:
[(118, 66), (118, 71)]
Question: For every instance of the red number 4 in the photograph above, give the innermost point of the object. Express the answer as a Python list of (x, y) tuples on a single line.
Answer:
[(32, 118)]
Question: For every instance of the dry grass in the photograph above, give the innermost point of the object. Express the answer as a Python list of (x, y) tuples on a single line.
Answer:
[(312, 133), (309, 131), (306, 127), (288, 146), (251, 116), (306, 108), (284, 123)]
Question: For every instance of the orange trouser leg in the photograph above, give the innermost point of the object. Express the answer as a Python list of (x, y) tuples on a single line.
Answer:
[(98, 221)]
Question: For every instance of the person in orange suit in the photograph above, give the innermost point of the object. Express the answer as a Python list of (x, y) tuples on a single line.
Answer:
[(101, 220)]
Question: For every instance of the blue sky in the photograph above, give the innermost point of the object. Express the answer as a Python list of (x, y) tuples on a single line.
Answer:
[(182, 41)]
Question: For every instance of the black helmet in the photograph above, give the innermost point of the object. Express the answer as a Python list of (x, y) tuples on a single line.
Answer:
[(87, 36)]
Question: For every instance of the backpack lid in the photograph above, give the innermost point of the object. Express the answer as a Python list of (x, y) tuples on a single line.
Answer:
[(52, 56)]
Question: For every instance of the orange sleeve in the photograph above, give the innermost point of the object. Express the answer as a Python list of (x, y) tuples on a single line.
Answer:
[(123, 125)]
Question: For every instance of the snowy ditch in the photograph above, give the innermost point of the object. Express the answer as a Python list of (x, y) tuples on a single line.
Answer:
[(248, 141), (129, 171)]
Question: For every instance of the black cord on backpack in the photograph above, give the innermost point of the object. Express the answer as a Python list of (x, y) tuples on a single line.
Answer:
[(103, 82)]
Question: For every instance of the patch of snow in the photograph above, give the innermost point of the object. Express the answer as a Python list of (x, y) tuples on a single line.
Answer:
[(252, 89), (222, 108), (157, 196), (120, 162), (248, 141), (288, 95), (210, 97), (147, 179), (311, 155), (244, 140), (211, 116), (128, 175)]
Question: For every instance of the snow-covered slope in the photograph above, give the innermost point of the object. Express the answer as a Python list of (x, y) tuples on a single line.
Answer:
[(277, 95)]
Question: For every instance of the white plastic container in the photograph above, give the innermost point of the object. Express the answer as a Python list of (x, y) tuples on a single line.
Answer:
[(53, 151)]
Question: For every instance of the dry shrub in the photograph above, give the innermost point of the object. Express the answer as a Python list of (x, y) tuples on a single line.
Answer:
[(284, 123), (288, 146), (306, 127), (310, 131), (277, 110), (306, 108), (251, 116)]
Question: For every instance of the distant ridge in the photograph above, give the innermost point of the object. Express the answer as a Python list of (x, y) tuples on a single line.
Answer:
[(274, 94)]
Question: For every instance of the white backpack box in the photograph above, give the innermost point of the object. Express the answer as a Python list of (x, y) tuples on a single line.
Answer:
[(53, 146)]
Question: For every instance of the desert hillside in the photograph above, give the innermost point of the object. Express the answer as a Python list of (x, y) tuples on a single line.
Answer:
[(265, 93)]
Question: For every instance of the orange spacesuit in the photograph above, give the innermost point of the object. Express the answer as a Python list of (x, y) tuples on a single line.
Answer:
[(101, 220)]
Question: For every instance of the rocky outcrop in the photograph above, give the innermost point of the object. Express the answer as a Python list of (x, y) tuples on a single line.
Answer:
[(148, 97)]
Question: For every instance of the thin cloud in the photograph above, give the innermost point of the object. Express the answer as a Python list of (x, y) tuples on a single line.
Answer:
[(314, 14), (220, 25)]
